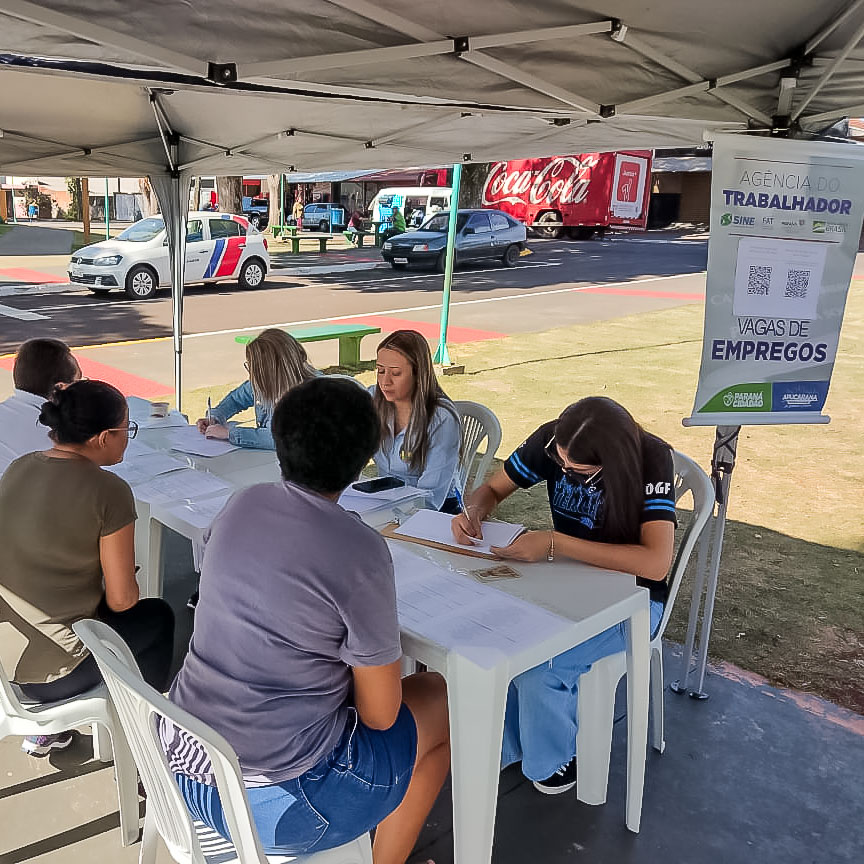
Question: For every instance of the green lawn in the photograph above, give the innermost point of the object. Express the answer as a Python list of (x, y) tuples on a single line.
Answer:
[(789, 601)]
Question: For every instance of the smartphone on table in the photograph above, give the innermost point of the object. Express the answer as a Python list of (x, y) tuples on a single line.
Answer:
[(378, 484)]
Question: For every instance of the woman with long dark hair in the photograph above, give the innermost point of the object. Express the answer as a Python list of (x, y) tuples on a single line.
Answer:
[(611, 493), (420, 430), (67, 552)]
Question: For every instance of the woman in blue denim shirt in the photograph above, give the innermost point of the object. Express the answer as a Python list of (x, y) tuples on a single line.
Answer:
[(420, 427), (276, 362)]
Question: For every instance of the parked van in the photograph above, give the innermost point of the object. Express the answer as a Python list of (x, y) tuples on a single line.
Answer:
[(417, 203)]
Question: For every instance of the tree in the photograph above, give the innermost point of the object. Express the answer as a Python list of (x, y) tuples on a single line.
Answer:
[(473, 180), (229, 194), (73, 184), (273, 189), (151, 203)]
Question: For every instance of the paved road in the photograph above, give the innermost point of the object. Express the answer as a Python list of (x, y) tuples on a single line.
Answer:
[(561, 283)]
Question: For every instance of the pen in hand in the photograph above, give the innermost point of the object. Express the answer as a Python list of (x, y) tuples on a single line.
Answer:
[(478, 539)]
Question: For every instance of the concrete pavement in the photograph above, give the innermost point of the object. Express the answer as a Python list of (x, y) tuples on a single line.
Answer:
[(756, 773)]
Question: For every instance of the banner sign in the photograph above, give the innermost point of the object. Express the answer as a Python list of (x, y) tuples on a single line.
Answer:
[(785, 224)]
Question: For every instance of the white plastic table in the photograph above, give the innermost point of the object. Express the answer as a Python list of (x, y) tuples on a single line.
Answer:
[(240, 468), (592, 600)]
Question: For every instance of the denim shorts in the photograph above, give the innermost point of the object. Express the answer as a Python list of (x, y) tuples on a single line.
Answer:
[(350, 791)]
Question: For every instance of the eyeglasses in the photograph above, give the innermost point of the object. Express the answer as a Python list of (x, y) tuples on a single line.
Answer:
[(131, 430), (246, 365), (571, 474)]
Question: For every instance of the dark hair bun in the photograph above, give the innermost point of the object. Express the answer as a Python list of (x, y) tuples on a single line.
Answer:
[(50, 414), (78, 412)]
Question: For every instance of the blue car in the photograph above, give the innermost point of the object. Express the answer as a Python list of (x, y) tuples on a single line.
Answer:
[(480, 234), (326, 218)]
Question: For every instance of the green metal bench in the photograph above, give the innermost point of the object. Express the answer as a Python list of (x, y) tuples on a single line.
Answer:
[(349, 336)]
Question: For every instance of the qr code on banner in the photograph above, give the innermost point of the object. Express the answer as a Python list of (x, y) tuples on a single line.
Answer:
[(797, 283), (759, 280)]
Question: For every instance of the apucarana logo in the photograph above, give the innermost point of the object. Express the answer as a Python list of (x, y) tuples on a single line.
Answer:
[(798, 400)]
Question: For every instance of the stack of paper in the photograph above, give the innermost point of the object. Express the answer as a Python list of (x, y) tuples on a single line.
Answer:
[(476, 620), (179, 486), (433, 526), (363, 502), (139, 468), (190, 440)]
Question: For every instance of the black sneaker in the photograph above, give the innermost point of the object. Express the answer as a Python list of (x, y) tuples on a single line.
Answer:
[(192, 602), (563, 780)]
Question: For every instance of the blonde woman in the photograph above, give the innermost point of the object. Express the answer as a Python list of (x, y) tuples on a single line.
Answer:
[(276, 362), (420, 428)]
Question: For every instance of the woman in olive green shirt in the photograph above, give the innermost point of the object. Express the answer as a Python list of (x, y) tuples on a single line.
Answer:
[(67, 552)]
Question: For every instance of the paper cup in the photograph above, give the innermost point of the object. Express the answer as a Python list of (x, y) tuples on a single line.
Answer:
[(158, 409)]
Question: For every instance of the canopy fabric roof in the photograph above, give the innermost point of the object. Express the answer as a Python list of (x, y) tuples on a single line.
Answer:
[(85, 85)]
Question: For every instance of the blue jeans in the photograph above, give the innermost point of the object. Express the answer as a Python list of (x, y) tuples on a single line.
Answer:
[(350, 791), (541, 720)]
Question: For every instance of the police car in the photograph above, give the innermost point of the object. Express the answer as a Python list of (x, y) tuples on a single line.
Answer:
[(219, 247)]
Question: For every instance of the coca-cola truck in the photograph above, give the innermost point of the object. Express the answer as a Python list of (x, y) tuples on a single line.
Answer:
[(583, 194)]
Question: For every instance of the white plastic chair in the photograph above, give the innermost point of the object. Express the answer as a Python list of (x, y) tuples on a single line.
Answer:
[(139, 706), (478, 423), (597, 686), (21, 716)]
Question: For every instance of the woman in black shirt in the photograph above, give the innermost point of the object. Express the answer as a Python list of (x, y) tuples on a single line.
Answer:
[(611, 493)]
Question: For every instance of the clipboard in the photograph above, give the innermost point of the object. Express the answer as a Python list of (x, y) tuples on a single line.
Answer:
[(389, 531)]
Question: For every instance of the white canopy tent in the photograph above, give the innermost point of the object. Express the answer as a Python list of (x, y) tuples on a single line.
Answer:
[(95, 87)]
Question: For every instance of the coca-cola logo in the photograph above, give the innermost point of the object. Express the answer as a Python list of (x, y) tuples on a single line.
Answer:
[(563, 180)]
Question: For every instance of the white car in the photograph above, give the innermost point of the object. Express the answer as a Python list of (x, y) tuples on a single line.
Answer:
[(219, 246)]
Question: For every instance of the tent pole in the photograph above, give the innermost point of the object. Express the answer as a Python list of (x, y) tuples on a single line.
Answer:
[(281, 204), (442, 355), (107, 215)]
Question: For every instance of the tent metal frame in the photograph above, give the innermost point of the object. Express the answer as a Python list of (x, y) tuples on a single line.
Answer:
[(430, 43)]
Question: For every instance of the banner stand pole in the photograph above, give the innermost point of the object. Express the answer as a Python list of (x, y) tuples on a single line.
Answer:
[(722, 466)]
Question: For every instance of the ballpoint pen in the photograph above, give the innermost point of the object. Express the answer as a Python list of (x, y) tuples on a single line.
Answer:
[(209, 412)]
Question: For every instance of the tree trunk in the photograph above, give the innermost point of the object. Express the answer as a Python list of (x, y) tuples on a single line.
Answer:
[(273, 189), (473, 180), (229, 194), (85, 208), (151, 205)]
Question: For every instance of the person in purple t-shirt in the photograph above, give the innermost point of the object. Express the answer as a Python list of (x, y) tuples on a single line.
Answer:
[(295, 654)]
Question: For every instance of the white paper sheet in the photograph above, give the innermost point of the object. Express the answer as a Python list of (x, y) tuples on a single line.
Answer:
[(179, 486), (143, 467), (362, 502), (435, 526), (200, 513), (476, 620), (190, 440)]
